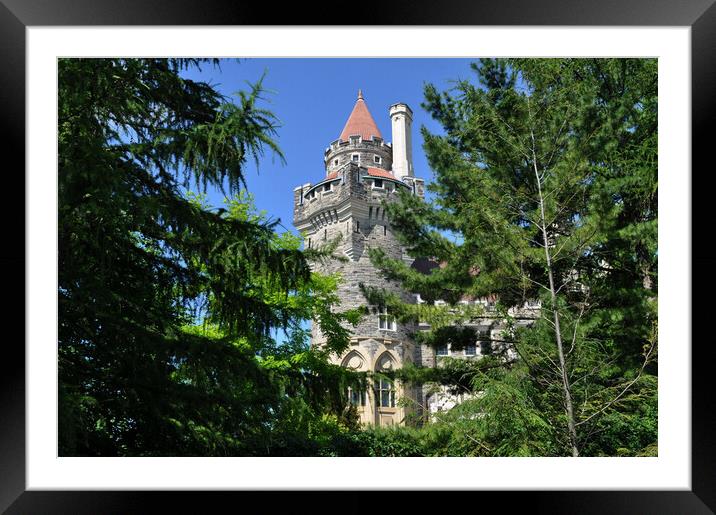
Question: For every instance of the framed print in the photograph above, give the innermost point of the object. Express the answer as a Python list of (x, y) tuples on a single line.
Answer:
[(44, 473)]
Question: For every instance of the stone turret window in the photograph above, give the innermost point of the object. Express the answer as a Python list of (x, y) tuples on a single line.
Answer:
[(377, 183), (355, 158), (376, 159)]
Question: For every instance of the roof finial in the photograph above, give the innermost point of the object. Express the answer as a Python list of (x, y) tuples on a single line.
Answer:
[(360, 95)]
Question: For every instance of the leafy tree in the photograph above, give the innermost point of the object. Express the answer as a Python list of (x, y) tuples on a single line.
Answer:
[(546, 173), (168, 310)]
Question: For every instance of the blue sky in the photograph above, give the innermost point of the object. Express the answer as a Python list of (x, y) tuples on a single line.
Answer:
[(312, 98)]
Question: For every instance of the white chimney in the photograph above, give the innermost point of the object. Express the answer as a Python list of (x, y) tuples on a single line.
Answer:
[(401, 118)]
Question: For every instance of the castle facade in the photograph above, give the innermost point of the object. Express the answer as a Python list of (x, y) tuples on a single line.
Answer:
[(362, 171)]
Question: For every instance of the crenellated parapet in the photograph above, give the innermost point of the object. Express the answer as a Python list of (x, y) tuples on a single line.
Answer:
[(372, 152), (353, 196)]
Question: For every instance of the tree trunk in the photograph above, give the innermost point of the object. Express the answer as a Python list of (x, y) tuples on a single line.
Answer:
[(569, 410)]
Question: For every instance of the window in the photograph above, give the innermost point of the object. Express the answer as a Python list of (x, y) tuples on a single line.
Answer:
[(385, 230), (471, 349), (485, 347), (386, 393), (325, 234), (356, 397), (309, 243), (327, 187), (335, 162), (376, 159), (442, 349), (370, 212), (378, 183), (357, 226), (386, 321), (355, 158)]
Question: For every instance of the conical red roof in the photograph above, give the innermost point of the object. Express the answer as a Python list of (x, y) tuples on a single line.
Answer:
[(360, 122)]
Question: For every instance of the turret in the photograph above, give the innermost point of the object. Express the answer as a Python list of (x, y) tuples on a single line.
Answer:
[(348, 206), (401, 118), (360, 143)]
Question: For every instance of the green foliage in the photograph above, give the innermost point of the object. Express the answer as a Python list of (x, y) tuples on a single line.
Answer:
[(545, 176), (169, 310), (391, 442), (181, 326)]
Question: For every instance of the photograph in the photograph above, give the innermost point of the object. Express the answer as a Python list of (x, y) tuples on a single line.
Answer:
[(357, 257), (434, 254)]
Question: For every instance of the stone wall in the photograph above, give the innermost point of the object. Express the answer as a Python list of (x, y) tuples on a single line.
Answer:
[(350, 210), (366, 149)]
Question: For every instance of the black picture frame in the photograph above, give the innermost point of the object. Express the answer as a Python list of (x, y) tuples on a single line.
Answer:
[(16, 15)]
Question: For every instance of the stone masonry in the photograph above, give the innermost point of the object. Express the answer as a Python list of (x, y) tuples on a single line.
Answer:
[(347, 205)]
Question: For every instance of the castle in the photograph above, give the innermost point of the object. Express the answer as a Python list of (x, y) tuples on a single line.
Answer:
[(362, 171)]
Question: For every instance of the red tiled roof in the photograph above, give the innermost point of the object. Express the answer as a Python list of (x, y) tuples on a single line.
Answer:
[(332, 175), (379, 172), (360, 122)]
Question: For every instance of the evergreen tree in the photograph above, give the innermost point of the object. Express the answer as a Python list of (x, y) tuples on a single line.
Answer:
[(546, 173), (141, 264)]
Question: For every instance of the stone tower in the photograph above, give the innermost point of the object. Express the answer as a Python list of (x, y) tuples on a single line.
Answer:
[(361, 172)]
